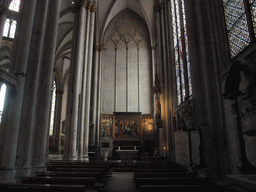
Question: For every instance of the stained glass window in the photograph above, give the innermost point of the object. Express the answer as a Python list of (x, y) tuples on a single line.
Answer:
[(9, 28), (182, 63), (2, 98), (15, 5), (237, 24), (6, 27), (13, 29), (52, 108), (253, 10)]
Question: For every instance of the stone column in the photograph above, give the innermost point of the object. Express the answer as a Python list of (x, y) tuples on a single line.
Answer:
[(85, 64), (27, 124), (57, 119), (165, 74), (76, 81), (44, 86), (168, 32), (16, 98), (99, 104), (88, 82), (95, 94)]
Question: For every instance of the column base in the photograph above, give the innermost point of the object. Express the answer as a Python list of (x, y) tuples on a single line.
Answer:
[(73, 158), (8, 175), (29, 171), (86, 158)]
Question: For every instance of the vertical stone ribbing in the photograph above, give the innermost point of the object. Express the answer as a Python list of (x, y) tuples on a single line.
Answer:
[(27, 125), (88, 82), (86, 33), (44, 87), (76, 84), (16, 98), (95, 95)]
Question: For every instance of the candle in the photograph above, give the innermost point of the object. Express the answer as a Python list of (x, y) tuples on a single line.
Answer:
[(164, 151)]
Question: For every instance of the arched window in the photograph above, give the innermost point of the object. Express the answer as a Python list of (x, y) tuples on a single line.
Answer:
[(10, 22), (15, 5), (2, 98), (52, 108), (240, 18), (181, 52)]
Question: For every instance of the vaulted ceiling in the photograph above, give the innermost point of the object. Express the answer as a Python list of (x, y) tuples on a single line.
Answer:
[(107, 10)]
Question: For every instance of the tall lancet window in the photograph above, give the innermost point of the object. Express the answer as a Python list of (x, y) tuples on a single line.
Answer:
[(181, 52), (2, 98), (10, 22), (15, 5), (240, 18), (52, 108)]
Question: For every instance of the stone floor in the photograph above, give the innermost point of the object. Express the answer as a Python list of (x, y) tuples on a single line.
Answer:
[(120, 182)]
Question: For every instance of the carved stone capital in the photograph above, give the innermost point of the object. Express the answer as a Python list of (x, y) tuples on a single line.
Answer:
[(153, 47), (94, 8), (102, 48), (84, 3), (158, 7), (90, 5)]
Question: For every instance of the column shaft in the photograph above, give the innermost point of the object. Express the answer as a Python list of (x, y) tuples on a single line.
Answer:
[(27, 124), (95, 95), (99, 105), (15, 100), (45, 85), (57, 120), (88, 87), (85, 64), (77, 84), (164, 74)]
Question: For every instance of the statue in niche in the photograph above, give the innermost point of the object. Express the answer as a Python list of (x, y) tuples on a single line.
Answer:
[(240, 87), (157, 112)]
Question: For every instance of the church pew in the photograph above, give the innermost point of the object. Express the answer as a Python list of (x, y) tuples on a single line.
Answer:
[(102, 170), (174, 181), (20, 187), (184, 187), (88, 181), (159, 170), (164, 175), (54, 167), (64, 162), (99, 176)]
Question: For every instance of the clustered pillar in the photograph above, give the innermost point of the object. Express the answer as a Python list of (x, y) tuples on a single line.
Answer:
[(162, 71), (24, 149), (77, 143)]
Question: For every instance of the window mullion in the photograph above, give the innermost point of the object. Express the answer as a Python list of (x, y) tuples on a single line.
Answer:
[(185, 68), (178, 47), (249, 20), (9, 30)]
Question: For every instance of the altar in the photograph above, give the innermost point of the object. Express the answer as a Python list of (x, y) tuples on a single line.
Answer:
[(127, 156), (128, 132)]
